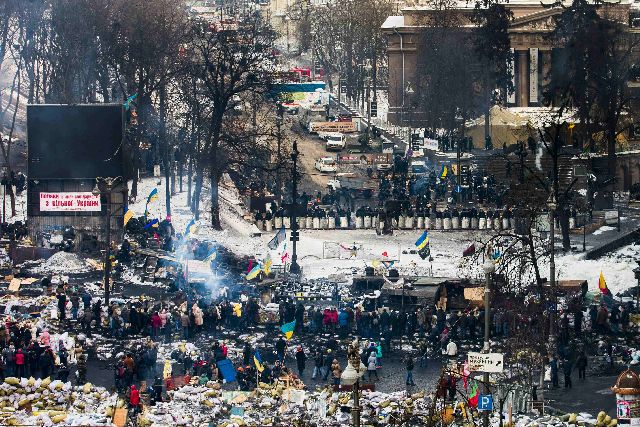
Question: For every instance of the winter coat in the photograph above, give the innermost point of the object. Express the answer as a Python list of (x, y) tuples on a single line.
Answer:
[(134, 398), (372, 362), (335, 369), (156, 322), (199, 320), (19, 358)]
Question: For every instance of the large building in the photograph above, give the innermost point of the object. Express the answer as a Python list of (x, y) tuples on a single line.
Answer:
[(532, 51)]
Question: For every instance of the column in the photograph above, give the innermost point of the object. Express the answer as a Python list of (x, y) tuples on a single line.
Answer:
[(533, 76), (545, 58), (523, 78)]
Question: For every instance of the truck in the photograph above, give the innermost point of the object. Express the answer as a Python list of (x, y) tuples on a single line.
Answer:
[(355, 186)]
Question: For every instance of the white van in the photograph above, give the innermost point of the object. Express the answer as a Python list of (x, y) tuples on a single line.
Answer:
[(335, 141), (326, 165)]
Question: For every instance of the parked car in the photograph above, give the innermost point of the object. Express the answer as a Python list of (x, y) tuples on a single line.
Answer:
[(326, 165)]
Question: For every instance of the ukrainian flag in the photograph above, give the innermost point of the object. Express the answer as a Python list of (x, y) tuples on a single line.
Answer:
[(127, 216), (191, 228), (152, 196), (267, 264), (423, 240), (253, 273), (212, 256), (152, 223), (287, 329), (444, 172), (258, 361)]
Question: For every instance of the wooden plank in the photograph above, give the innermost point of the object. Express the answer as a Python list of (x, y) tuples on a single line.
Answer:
[(120, 417), (14, 286)]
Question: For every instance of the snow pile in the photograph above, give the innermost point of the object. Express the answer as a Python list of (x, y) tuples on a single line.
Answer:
[(62, 262)]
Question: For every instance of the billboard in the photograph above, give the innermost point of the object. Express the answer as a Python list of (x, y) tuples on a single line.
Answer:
[(343, 127), (70, 202), (75, 141)]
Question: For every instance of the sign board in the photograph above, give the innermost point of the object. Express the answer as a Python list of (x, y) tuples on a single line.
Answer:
[(635, 422), (485, 362), (485, 402), (70, 202), (623, 409), (431, 144), (611, 217), (343, 127)]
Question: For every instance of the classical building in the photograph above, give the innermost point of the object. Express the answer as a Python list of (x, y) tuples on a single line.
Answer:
[(532, 51)]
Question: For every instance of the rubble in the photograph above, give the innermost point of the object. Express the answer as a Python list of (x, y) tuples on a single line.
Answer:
[(62, 263)]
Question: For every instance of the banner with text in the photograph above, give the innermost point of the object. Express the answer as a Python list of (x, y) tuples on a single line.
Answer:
[(485, 362), (70, 202)]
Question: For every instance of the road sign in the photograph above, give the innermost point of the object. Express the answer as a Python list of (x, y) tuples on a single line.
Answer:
[(485, 362), (485, 402), (458, 189)]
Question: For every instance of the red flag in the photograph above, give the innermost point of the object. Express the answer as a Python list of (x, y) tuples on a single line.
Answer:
[(470, 250), (155, 236), (384, 254), (250, 265)]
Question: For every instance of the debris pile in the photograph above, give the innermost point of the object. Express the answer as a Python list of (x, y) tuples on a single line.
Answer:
[(44, 402), (62, 263)]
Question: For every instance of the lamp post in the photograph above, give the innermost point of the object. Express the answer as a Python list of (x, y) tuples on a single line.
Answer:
[(636, 272), (368, 67), (108, 184), (552, 206), (351, 376), (489, 268), (294, 268)]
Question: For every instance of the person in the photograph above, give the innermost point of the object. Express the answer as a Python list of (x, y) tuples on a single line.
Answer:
[(20, 363), (75, 305), (301, 360), (372, 365), (134, 398), (63, 373), (452, 350), (553, 363), (185, 322), (328, 361), (246, 354), (82, 369), (336, 371), (281, 345), (409, 366), (318, 362), (581, 364), (566, 368)]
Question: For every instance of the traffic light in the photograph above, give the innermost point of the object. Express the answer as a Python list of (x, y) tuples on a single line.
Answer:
[(465, 174), (295, 236)]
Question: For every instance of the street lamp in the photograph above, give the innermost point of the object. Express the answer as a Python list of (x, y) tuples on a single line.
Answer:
[(552, 205), (408, 90), (351, 376), (489, 268), (636, 272), (108, 184), (294, 268), (368, 67)]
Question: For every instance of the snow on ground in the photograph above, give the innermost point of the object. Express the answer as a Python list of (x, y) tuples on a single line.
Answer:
[(317, 249), (617, 268)]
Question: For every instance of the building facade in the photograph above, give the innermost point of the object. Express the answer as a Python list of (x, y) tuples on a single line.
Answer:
[(532, 50)]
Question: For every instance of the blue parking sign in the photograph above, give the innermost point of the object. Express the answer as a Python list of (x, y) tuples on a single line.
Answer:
[(485, 402)]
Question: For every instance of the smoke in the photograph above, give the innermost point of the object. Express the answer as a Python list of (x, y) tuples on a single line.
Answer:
[(198, 264)]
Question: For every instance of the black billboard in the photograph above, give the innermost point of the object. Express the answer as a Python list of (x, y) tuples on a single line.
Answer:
[(75, 141)]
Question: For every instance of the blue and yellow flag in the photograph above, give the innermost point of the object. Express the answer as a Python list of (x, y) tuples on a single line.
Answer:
[(152, 223), (152, 196), (254, 272), (444, 172), (130, 99), (127, 216), (423, 240), (267, 264), (258, 361), (191, 228), (212, 256), (287, 329)]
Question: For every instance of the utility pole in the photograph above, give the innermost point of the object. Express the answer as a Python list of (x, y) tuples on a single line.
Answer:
[(552, 205), (279, 118), (108, 184), (294, 268), (489, 268)]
